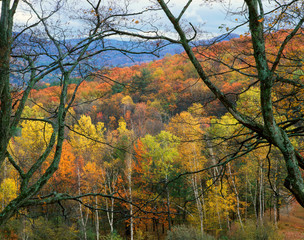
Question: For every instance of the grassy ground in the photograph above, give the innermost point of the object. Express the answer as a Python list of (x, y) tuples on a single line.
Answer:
[(291, 224)]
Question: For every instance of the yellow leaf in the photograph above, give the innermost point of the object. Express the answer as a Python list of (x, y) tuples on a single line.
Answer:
[(261, 20), (136, 21)]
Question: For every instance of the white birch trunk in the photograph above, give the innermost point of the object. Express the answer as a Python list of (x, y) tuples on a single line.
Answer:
[(83, 220), (215, 173), (130, 193), (261, 193), (168, 204), (97, 219), (237, 197), (198, 204)]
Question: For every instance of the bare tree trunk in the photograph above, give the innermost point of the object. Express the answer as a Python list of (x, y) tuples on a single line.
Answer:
[(255, 199), (4, 177), (203, 204), (217, 209), (110, 209), (261, 212), (246, 208), (198, 203), (195, 180), (168, 203), (82, 219), (275, 197), (215, 173), (24, 234), (110, 213), (131, 223), (97, 219), (227, 214), (237, 197), (130, 196)]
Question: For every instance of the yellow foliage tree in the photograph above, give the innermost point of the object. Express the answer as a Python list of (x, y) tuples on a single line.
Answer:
[(87, 139), (35, 137), (8, 191)]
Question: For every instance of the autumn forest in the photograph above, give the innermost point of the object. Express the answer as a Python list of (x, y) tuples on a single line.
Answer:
[(203, 144)]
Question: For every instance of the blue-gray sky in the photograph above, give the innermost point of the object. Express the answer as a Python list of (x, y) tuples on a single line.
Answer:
[(210, 15)]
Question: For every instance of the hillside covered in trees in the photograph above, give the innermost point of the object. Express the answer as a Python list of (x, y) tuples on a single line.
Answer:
[(158, 151)]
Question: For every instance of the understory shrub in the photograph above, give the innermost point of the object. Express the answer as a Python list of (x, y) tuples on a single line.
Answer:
[(184, 232), (254, 231)]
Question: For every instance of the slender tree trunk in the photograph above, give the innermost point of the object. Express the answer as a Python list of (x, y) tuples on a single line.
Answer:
[(131, 214), (204, 205), (261, 213), (210, 148), (195, 181), (168, 203), (82, 219), (255, 199), (4, 177), (237, 197), (217, 209), (129, 174), (24, 234), (110, 209), (110, 213), (278, 204), (198, 204), (275, 197), (227, 216), (97, 219), (215, 174), (246, 207)]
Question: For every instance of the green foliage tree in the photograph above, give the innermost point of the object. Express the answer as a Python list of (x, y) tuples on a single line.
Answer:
[(161, 154), (141, 82), (117, 88)]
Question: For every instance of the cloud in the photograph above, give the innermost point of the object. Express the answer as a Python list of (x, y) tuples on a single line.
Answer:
[(208, 15)]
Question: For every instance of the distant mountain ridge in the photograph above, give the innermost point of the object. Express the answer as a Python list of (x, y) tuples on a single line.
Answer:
[(113, 58), (29, 45), (117, 59)]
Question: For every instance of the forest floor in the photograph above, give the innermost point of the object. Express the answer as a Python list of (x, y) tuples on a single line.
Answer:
[(291, 222)]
